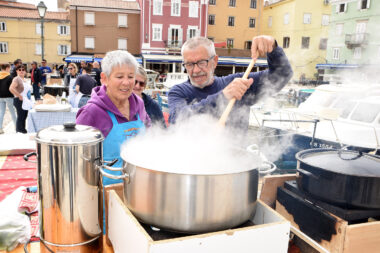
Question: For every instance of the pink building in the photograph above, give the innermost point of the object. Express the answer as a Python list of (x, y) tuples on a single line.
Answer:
[(167, 24)]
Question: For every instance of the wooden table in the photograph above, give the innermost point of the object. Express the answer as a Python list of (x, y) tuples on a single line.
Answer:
[(34, 247)]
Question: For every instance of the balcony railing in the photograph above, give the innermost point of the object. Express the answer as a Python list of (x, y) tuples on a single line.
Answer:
[(356, 39), (173, 44)]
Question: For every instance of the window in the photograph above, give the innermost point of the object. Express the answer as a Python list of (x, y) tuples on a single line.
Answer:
[(38, 49), (175, 36), (3, 47), (38, 28), (122, 44), (248, 44), (363, 4), (176, 8), (323, 44), (286, 42), (325, 20), (232, 3), (3, 27), (366, 112), (122, 20), (270, 21), (307, 18), (157, 7), (252, 22), (357, 53), (192, 31), (212, 2), (63, 30), (157, 32), (230, 43), (63, 49), (286, 18), (305, 42), (211, 19), (89, 18), (336, 53), (253, 4), (89, 42), (341, 8), (193, 9), (231, 21), (339, 29)]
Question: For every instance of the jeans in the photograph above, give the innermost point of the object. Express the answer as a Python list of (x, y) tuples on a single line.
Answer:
[(83, 101), (9, 103), (21, 116), (36, 91)]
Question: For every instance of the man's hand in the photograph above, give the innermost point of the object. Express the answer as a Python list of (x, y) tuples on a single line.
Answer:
[(261, 45), (237, 88)]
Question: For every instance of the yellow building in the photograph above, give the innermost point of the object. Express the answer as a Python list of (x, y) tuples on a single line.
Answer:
[(301, 28), (20, 34), (234, 22)]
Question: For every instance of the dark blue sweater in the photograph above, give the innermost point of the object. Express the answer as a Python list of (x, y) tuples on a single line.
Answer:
[(185, 99), (153, 110)]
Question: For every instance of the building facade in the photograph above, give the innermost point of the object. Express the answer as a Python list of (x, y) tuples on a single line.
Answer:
[(301, 28), (20, 34), (101, 26), (354, 40)]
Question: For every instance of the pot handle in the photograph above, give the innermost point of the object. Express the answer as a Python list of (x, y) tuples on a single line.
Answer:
[(26, 157), (123, 176), (110, 163), (272, 167), (308, 173), (360, 154)]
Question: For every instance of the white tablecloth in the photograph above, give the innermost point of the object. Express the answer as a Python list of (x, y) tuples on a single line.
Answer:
[(39, 120)]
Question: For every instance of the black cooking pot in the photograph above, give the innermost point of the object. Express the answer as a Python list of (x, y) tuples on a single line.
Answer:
[(340, 177)]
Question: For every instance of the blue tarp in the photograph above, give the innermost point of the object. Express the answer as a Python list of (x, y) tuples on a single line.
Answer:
[(79, 58), (336, 66)]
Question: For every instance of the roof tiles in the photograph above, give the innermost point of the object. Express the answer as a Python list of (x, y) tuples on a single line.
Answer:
[(112, 4)]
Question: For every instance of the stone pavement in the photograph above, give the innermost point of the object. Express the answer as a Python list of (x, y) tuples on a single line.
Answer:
[(8, 125)]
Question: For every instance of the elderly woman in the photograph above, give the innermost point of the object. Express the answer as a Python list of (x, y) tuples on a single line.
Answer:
[(151, 106), (113, 108)]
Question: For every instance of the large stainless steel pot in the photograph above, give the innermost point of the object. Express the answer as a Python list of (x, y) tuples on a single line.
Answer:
[(187, 202), (68, 181)]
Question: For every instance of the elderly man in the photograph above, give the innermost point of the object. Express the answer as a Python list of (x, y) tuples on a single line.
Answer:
[(44, 71), (35, 78), (206, 93)]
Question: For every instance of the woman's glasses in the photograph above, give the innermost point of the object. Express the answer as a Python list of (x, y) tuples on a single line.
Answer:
[(141, 83), (70, 68), (21, 70)]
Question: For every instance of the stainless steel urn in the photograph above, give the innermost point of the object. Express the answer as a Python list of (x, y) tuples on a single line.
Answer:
[(68, 181)]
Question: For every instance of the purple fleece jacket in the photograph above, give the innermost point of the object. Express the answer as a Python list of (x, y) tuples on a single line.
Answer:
[(94, 113)]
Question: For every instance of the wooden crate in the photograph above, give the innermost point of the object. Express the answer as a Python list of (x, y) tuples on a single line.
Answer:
[(271, 234), (364, 237)]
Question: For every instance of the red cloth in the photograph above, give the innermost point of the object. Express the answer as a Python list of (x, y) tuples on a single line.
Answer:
[(32, 76), (166, 117), (15, 172)]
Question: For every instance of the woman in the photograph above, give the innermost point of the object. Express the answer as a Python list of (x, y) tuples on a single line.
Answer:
[(69, 81), (151, 106), (22, 92), (113, 108), (6, 97)]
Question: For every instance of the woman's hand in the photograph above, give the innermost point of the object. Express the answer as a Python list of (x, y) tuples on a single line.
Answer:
[(20, 97)]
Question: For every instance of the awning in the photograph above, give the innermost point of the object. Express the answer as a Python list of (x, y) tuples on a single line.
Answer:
[(163, 58), (220, 44), (336, 66), (79, 58)]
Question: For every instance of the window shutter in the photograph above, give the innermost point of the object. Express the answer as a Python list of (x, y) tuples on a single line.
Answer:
[(180, 36), (59, 50), (368, 3), (169, 36), (59, 29), (188, 33), (345, 7), (198, 33), (68, 49), (337, 8)]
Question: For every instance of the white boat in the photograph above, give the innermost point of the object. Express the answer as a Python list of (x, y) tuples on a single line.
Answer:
[(334, 116), (173, 79)]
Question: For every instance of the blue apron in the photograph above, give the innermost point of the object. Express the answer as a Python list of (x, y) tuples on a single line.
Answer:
[(119, 133)]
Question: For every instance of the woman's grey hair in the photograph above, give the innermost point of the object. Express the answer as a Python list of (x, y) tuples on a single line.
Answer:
[(117, 58), (141, 71), (195, 42)]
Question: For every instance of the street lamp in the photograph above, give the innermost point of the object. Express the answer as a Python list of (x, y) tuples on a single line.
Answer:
[(41, 7)]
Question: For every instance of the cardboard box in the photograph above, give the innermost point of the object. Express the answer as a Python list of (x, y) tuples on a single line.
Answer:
[(269, 234)]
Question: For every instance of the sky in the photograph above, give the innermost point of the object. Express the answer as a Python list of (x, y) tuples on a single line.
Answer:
[(51, 4)]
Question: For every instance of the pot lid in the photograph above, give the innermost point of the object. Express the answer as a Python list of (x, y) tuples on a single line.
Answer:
[(346, 162), (69, 133)]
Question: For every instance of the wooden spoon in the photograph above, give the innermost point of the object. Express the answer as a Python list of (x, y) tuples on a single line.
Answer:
[(223, 118)]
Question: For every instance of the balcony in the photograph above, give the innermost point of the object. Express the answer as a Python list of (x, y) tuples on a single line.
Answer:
[(356, 40), (173, 44)]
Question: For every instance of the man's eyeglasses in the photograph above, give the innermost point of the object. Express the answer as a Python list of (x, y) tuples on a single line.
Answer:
[(200, 63), (141, 83)]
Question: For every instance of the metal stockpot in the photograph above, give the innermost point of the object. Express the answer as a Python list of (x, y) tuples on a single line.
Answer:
[(68, 182), (189, 203)]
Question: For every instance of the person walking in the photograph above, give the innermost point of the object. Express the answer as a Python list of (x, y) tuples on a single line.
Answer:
[(6, 97), (44, 71), (35, 77)]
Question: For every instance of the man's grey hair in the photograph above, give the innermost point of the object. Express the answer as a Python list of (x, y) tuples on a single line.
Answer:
[(195, 42), (117, 58)]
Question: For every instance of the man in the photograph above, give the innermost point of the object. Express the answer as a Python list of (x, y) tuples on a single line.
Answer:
[(44, 70), (95, 73), (84, 84), (82, 65), (204, 93), (16, 63), (35, 78)]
